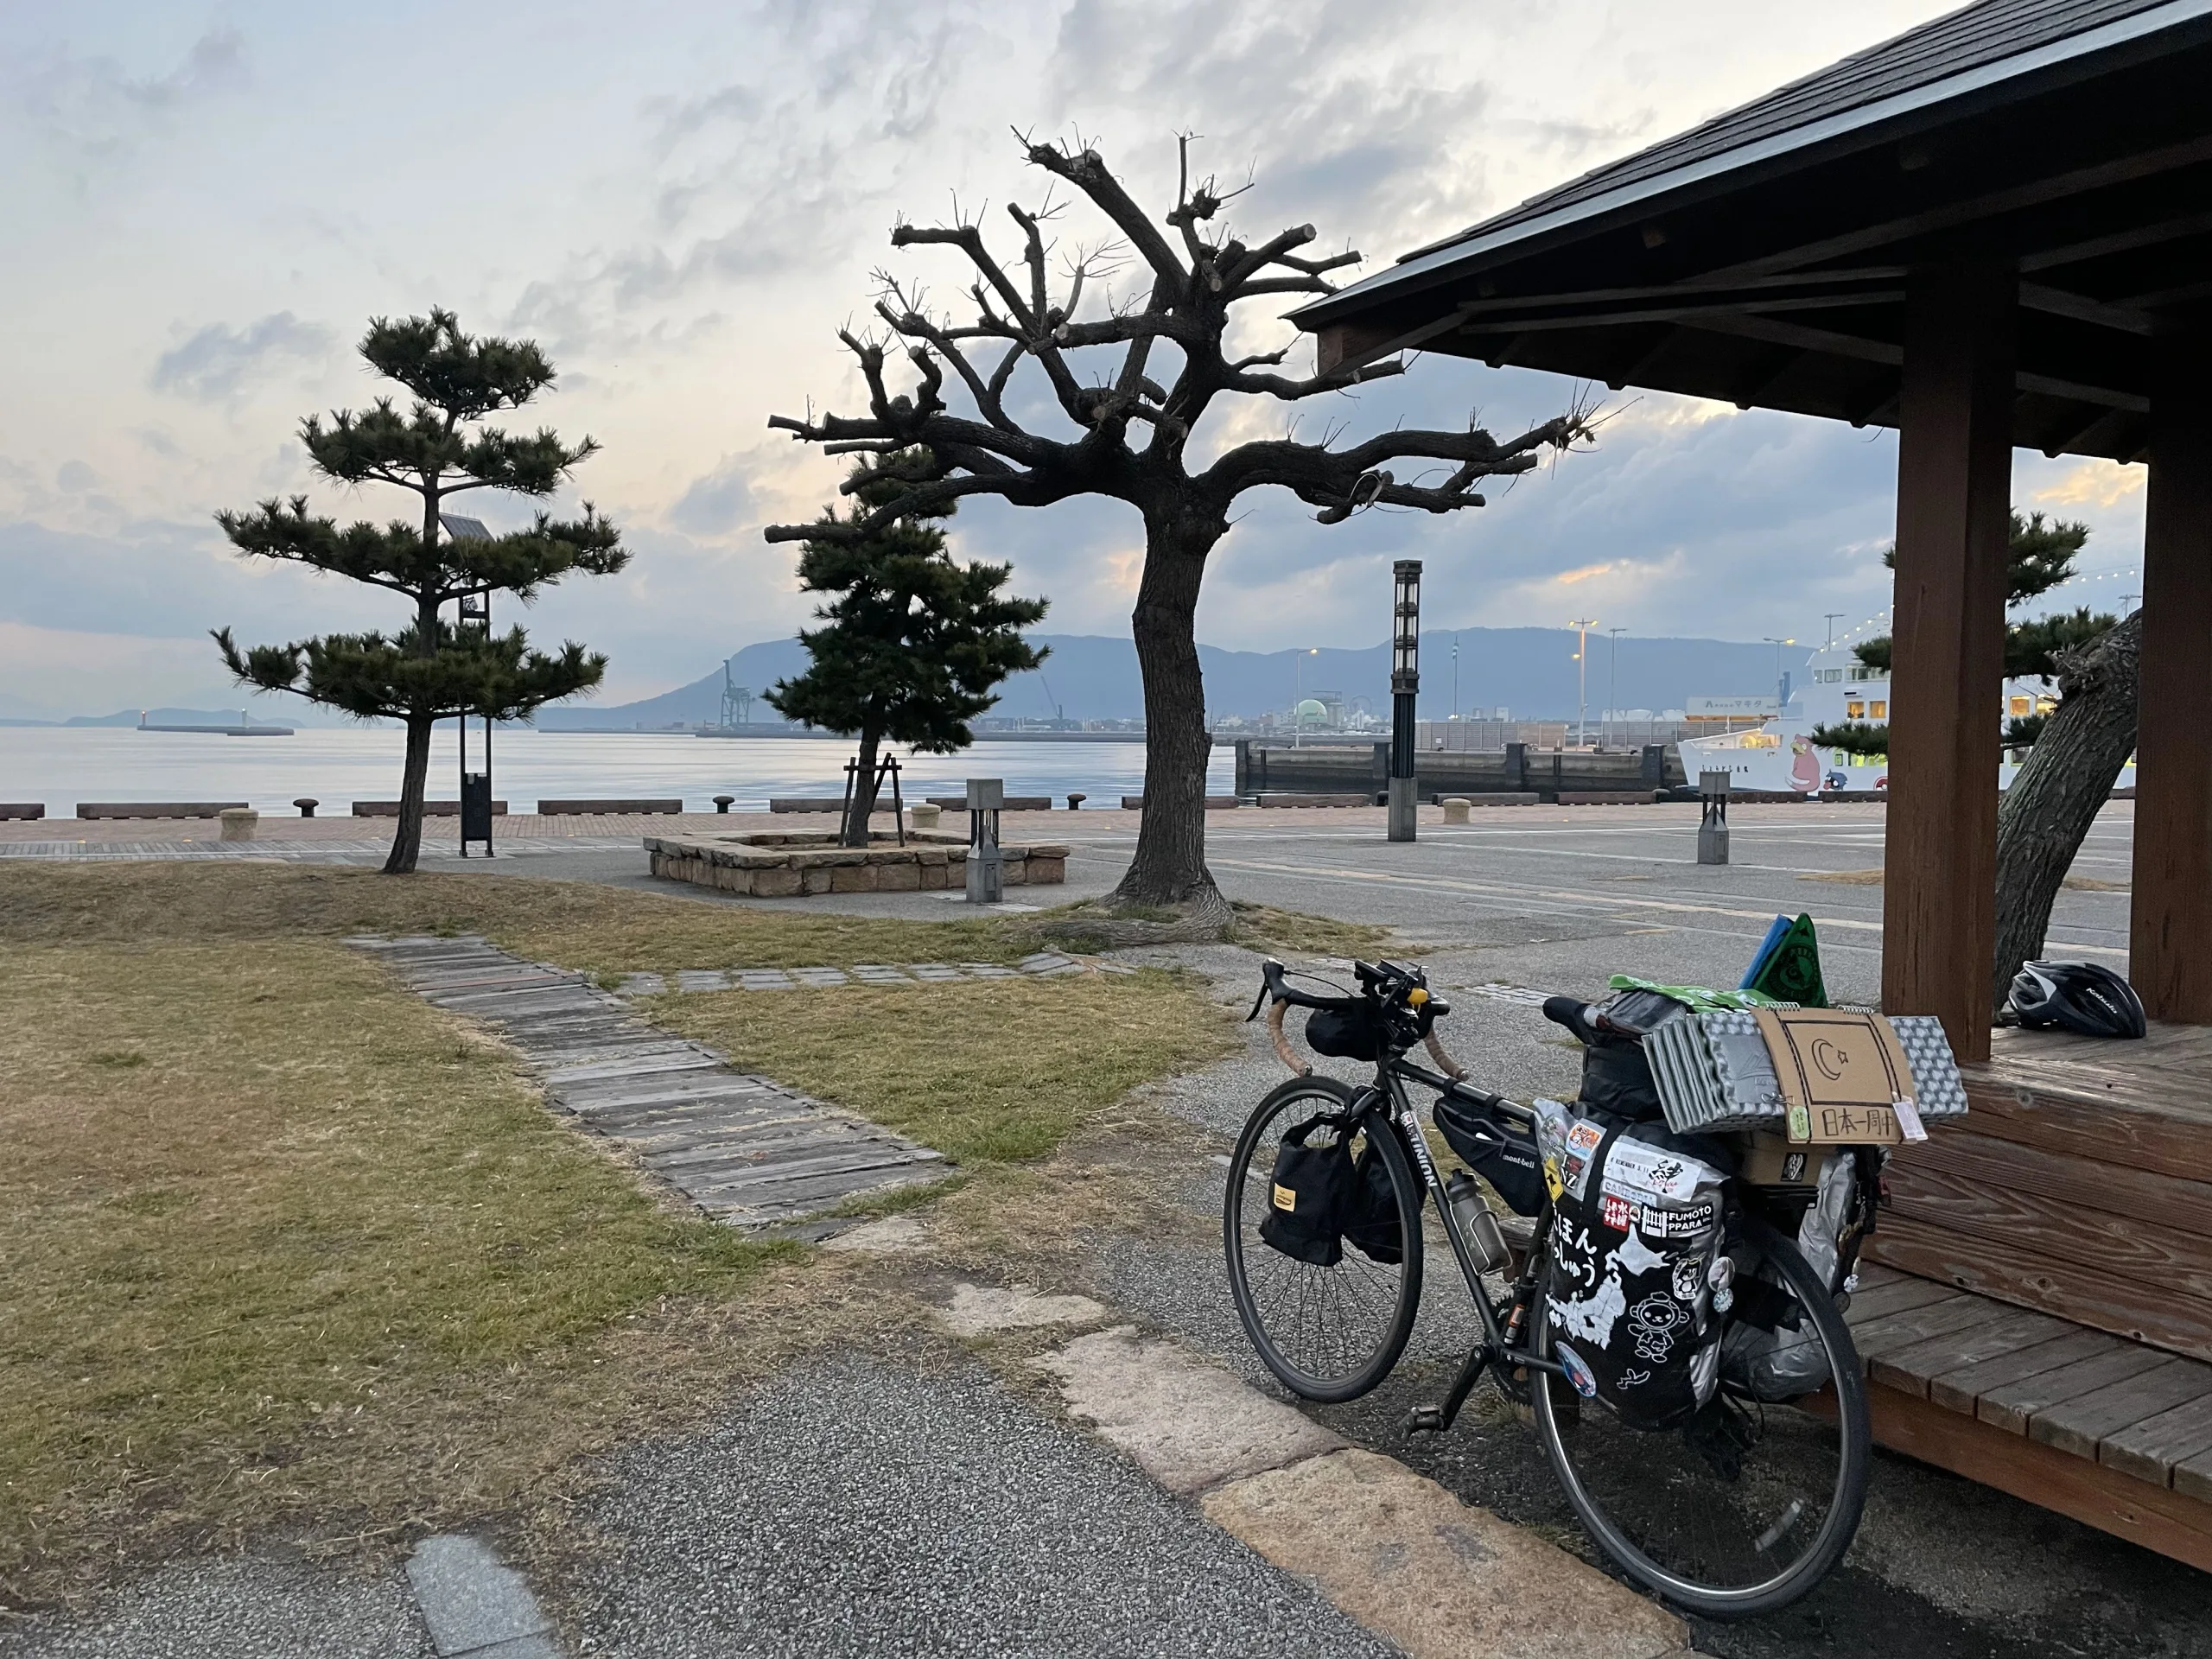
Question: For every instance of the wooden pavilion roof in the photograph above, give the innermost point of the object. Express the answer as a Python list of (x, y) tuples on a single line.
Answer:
[(1759, 259)]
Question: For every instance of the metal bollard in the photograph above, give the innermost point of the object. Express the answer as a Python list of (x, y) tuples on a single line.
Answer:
[(1075, 802), (306, 804), (723, 802), (986, 864), (1712, 829)]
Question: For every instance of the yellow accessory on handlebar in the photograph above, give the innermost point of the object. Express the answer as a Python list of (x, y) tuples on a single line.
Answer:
[(1415, 997)]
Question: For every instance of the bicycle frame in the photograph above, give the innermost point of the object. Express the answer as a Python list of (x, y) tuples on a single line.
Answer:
[(1499, 1339)]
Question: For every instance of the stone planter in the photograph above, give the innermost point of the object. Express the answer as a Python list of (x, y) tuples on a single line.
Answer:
[(238, 822), (774, 864)]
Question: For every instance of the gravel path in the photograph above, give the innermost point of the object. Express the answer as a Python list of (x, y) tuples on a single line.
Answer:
[(892, 1508)]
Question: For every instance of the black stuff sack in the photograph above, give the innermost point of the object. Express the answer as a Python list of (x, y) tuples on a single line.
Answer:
[(1374, 1228), (1502, 1153), (1615, 1077), (1315, 1192), (1636, 1238)]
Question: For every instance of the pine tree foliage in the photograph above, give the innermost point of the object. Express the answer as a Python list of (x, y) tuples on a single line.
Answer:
[(437, 448), (914, 643), (2039, 557)]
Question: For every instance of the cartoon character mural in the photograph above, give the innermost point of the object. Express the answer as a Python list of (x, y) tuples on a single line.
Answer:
[(1804, 766)]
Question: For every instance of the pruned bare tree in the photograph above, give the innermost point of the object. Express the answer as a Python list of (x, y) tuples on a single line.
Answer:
[(1130, 433)]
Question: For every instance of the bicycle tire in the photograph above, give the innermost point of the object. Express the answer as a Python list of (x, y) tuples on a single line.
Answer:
[(1855, 1461), (1292, 1102)]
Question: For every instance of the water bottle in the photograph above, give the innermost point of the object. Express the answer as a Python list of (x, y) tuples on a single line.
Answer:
[(1475, 1222)]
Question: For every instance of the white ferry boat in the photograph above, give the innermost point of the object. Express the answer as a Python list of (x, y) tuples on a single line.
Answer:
[(1778, 754)]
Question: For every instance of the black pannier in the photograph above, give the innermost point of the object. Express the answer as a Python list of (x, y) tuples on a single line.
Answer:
[(1316, 1192), (1636, 1240), (1350, 1031), (1501, 1152)]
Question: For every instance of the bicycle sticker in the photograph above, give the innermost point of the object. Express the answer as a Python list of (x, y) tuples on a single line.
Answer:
[(1583, 1135), (1615, 1211), (1579, 1375), (1686, 1223), (1286, 1199), (1688, 1278), (1633, 1379)]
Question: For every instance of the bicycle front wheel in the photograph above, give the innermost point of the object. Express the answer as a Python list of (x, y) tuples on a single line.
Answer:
[(1749, 1507), (1330, 1331)]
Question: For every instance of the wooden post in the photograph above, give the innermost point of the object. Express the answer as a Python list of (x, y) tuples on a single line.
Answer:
[(2170, 935), (1955, 472)]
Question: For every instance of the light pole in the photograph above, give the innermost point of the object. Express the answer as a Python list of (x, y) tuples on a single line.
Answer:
[(1298, 694), (1582, 681), (1405, 686), (1455, 673), (1613, 675), (475, 608), (1780, 696), (1831, 616)]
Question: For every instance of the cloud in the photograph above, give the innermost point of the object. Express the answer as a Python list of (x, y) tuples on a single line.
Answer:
[(214, 365), (92, 107), (716, 502)]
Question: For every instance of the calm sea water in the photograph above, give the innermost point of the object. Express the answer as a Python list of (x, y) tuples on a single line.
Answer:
[(61, 766)]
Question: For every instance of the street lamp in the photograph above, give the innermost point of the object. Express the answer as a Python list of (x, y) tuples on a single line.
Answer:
[(475, 611), (1831, 616), (1582, 684), (1781, 692), (1405, 687), (1613, 681)]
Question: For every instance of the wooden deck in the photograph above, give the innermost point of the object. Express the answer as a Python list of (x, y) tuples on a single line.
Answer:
[(2036, 1311)]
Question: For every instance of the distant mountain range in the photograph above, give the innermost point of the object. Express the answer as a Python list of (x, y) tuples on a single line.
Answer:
[(1530, 672)]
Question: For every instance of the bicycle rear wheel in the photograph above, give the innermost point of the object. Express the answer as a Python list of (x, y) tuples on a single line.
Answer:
[(1750, 1506), (1329, 1333)]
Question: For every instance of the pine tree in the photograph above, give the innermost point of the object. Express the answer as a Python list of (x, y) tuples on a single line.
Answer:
[(2039, 557), (913, 644), (430, 670)]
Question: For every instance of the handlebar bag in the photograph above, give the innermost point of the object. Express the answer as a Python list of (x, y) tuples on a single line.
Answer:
[(1347, 1030), (1502, 1153), (1636, 1235), (1315, 1193)]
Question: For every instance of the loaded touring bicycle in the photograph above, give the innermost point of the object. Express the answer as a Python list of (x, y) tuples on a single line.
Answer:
[(1664, 1304)]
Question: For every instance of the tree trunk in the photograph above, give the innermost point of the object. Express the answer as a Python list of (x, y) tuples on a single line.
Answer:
[(1170, 866), (857, 811), (2042, 819), (407, 841)]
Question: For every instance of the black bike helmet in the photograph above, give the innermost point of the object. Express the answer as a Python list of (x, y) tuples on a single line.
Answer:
[(2077, 996)]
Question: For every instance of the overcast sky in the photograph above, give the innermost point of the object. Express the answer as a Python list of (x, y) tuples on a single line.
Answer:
[(682, 202)]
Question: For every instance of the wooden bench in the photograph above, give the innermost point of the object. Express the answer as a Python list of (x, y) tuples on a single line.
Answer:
[(2116, 1433), (2037, 1308), (155, 809), (589, 808)]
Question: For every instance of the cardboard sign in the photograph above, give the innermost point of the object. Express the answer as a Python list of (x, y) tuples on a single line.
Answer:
[(1841, 1073)]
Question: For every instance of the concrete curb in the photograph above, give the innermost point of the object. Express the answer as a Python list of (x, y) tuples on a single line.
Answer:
[(1390, 1548), (475, 1603)]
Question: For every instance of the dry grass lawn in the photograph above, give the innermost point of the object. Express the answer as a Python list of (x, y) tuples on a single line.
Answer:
[(281, 1244), (988, 1070)]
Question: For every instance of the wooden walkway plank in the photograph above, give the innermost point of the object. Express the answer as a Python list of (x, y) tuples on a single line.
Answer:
[(1960, 1390), (1911, 1367), (1893, 1294), (2016, 1405), (2149, 1450), (746, 1151), (1915, 1325), (2078, 1425)]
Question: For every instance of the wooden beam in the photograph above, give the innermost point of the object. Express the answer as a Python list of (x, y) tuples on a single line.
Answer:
[(2169, 932), (1955, 472)]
